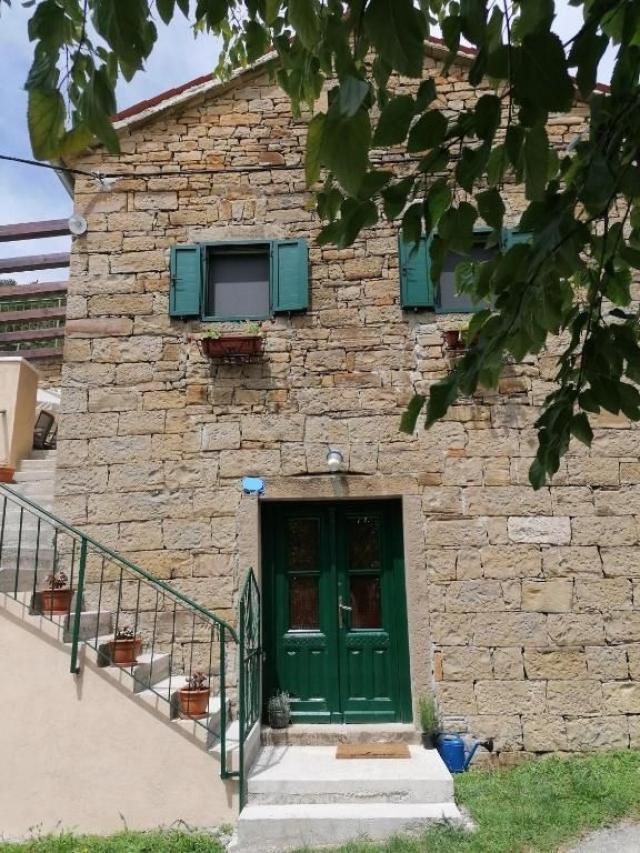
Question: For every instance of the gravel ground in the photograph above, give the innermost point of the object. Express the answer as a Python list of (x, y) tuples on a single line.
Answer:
[(623, 838)]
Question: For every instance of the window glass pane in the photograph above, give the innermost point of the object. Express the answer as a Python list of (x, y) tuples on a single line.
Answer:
[(303, 544), (365, 601), (363, 537), (238, 284), (447, 298), (303, 602)]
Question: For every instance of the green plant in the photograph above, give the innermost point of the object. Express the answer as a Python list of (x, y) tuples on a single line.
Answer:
[(196, 681), (126, 633), (429, 722), (212, 335), (252, 330), (56, 580), (279, 704)]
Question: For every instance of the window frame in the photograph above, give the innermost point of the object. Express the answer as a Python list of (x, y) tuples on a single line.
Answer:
[(206, 248)]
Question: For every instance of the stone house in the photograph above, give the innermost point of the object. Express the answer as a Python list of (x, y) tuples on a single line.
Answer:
[(415, 563)]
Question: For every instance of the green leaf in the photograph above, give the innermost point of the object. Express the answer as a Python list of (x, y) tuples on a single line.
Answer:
[(394, 121), (397, 30), (456, 227), (312, 162), (438, 200), (581, 428), (427, 132), (395, 197), (599, 185), (487, 116), (586, 53), (345, 149), (410, 415), (491, 207), (471, 165), (541, 75), (303, 18), (45, 116), (412, 223), (272, 10), (441, 396), (537, 474), (426, 94), (536, 161), (165, 9), (351, 96)]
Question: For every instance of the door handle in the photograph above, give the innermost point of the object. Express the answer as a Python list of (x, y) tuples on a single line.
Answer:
[(342, 607)]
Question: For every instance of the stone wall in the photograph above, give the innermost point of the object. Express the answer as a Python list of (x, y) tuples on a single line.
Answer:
[(531, 599)]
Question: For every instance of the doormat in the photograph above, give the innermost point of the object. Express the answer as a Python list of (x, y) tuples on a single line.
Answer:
[(373, 750)]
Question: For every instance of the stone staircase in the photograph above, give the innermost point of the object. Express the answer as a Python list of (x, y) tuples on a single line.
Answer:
[(301, 796), (152, 681), (35, 479)]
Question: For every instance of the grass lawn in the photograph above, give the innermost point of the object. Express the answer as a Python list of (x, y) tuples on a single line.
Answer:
[(538, 806)]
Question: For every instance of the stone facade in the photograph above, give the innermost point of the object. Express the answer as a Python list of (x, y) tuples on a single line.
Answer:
[(524, 606)]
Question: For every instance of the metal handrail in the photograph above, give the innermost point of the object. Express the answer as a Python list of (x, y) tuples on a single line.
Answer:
[(122, 592), (114, 555)]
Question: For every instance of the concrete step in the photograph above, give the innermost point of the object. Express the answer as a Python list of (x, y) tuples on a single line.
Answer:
[(48, 464), (34, 475), (265, 828), (37, 490), (28, 553), (42, 454), (327, 735), (8, 580), (313, 774)]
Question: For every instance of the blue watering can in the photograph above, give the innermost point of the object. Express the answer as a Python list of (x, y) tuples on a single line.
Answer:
[(455, 753)]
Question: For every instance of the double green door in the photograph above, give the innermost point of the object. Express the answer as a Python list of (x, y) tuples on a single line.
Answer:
[(335, 611)]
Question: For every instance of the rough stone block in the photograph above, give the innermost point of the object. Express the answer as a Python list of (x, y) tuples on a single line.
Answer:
[(555, 663), (574, 697), (544, 530), (544, 733), (553, 596), (509, 697)]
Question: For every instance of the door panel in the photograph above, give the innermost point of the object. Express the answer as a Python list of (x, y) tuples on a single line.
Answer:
[(335, 610)]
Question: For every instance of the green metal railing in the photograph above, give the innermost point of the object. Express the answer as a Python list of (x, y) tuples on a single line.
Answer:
[(110, 593)]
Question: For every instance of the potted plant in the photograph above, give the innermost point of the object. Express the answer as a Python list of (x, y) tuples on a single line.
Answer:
[(279, 710), (55, 599), (218, 344), (429, 722), (194, 697), (125, 647), (452, 339), (6, 473)]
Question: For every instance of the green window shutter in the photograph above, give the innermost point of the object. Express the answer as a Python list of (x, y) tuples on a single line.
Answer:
[(415, 282), (186, 281), (512, 238), (289, 276)]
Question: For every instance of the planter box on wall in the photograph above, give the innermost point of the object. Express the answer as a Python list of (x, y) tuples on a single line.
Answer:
[(232, 346)]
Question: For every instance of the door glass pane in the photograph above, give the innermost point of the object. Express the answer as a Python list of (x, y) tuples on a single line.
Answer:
[(303, 602), (303, 543), (365, 601), (363, 536)]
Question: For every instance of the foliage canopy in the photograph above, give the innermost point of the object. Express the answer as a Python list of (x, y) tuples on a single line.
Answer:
[(583, 204)]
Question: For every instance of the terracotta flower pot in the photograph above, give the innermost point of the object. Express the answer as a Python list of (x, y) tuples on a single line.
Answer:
[(229, 345), (194, 703), (6, 473), (125, 652), (55, 602), (452, 338)]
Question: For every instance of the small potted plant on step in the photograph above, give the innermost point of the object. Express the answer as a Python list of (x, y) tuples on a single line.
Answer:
[(6, 472), (428, 721), (194, 697), (125, 647), (279, 710), (55, 599)]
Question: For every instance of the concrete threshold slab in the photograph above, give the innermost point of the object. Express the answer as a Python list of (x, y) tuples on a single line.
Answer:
[(327, 734)]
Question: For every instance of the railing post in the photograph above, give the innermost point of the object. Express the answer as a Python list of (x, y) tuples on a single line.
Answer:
[(241, 700), (223, 708), (75, 669)]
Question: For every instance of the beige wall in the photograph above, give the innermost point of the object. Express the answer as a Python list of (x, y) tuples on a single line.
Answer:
[(78, 753), (18, 392), (524, 606)]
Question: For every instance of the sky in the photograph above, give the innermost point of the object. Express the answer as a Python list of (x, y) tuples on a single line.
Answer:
[(28, 193)]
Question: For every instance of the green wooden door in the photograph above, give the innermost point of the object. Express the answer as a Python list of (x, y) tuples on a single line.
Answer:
[(335, 611)]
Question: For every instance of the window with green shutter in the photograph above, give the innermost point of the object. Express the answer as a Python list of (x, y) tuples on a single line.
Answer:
[(417, 290), (239, 280)]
